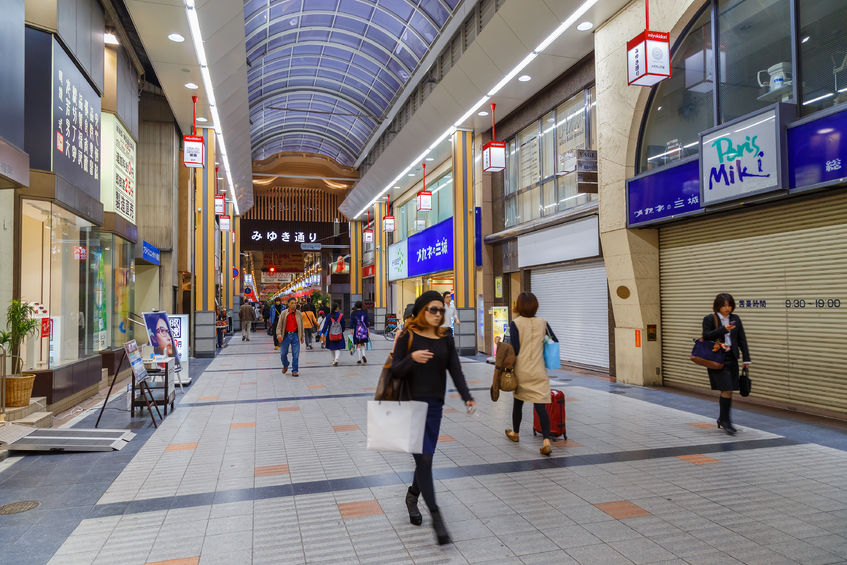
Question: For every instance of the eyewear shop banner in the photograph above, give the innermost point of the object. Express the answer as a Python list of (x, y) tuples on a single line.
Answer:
[(740, 160), (429, 251)]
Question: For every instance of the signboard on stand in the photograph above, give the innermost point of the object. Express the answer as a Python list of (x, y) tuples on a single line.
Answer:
[(135, 361), (179, 333)]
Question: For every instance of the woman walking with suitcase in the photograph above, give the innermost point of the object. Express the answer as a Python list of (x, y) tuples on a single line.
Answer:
[(332, 333), (526, 335), (423, 363)]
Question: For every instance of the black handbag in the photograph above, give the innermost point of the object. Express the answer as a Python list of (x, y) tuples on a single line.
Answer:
[(744, 382), (709, 354)]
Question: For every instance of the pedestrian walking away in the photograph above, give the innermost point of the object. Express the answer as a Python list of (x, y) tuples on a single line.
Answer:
[(332, 333), (247, 315), (724, 328), (526, 336), (276, 310), (423, 364), (289, 333), (310, 326), (450, 315), (360, 333)]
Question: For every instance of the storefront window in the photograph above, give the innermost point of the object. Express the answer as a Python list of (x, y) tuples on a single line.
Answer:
[(548, 145), (62, 274), (548, 195), (119, 272), (756, 37), (823, 54), (682, 105), (443, 198)]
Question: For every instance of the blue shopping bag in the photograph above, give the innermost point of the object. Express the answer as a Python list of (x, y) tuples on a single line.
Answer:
[(551, 355), (369, 345)]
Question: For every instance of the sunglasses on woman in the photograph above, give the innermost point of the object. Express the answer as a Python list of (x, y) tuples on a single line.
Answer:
[(435, 311)]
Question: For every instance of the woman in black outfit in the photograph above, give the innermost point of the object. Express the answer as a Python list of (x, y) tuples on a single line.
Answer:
[(724, 326), (423, 363)]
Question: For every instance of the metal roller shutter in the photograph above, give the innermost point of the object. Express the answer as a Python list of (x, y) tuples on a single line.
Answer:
[(789, 262), (574, 301)]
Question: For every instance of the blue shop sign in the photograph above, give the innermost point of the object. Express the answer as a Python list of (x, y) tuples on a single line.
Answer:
[(149, 253), (431, 251), (664, 195), (817, 152)]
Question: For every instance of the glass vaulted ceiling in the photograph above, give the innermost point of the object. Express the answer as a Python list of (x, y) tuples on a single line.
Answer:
[(322, 74)]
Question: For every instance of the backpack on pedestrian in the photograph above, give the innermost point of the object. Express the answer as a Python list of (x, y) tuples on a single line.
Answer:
[(336, 333), (361, 331)]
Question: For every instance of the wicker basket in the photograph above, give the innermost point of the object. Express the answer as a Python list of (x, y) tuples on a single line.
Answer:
[(19, 390)]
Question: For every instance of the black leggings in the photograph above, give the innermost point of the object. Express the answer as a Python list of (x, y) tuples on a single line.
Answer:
[(422, 483), (543, 417)]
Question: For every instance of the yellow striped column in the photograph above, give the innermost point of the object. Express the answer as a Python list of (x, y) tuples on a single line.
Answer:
[(355, 231), (380, 258), (204, 250), (236, 256), (228, 261), (464, 260)]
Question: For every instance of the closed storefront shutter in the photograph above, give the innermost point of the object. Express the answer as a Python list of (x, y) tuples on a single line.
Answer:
[(574, 300), (786, 267)]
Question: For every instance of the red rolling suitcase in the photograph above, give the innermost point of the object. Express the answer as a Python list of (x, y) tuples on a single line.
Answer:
[(556, 411)]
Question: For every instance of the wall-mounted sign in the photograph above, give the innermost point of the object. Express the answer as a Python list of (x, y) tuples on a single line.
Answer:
[(388, 224), (150, 253), (666, 194), (235, 272), (431, 251), (368, 271), (498, 287), (287, 236), (192, 151), (398, 261), (648, 57), (76, 124), (494, 156), (817, 152), (742, 158), (80, 253), (220, 204), (225, 222), (117, 182), (424, 201), (277, 278)]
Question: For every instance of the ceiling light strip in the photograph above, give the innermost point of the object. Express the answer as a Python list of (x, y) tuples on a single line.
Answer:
[(563, 27), (196, 36)]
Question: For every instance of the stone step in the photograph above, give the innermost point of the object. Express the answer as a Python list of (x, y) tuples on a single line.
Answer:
[(36, 404), (37, 420)]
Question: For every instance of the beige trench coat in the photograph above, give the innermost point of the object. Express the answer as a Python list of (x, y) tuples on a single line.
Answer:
[(533, 382)]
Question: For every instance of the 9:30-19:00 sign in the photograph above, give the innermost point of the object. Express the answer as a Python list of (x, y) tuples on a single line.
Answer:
[(815, 303)]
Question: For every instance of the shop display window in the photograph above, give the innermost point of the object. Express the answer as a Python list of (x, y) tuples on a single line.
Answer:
[(535, 183), (412, 221), (823, 54), (755, 38), (119, 276), (63, 276)]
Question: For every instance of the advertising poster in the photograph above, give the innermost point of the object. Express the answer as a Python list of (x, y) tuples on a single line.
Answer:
[(179, 333), (100, 316), (135, 361), (499, 324)]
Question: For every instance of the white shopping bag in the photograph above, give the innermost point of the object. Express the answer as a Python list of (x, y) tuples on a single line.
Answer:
[(396, 426)]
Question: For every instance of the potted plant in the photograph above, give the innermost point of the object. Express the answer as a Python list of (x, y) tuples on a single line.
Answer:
[(20, 323)]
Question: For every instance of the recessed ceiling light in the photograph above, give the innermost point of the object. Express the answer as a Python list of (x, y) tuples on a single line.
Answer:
[(396, 188), (805, 39), (202, 120), (191, 86), (585, 26), (176, 38), (430, 159), (110, 38), (524, 78), (411, 174), (483, 113)]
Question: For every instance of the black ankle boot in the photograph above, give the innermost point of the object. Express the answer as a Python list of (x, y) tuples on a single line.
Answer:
[(441, 533), (415, 517), (724, 420)]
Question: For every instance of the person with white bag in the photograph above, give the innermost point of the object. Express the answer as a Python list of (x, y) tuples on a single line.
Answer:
[(423, 362)]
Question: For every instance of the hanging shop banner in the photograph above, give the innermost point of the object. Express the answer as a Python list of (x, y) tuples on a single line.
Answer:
[(192, 151), (277, 278), (225, 223), (150, 253), (398, 261), (367, 235), (368, 271), (117, 182), (817, 152), (742, 158), (431, 251), (388, 224), (663, 195), (76, 124), (494, 156), (648, 57), (424, 201), (220, 204)]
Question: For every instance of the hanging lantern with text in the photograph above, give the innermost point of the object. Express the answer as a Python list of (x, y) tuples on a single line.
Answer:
[(424, 198), (368, 233), (648, 56), (225, 223), (220, 204), (388, 221), (493, 152)]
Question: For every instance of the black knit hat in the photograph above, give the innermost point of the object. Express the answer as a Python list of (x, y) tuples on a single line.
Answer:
[(425, 299)]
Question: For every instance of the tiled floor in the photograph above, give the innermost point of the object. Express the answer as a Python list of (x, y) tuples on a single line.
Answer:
[(255, 466)]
